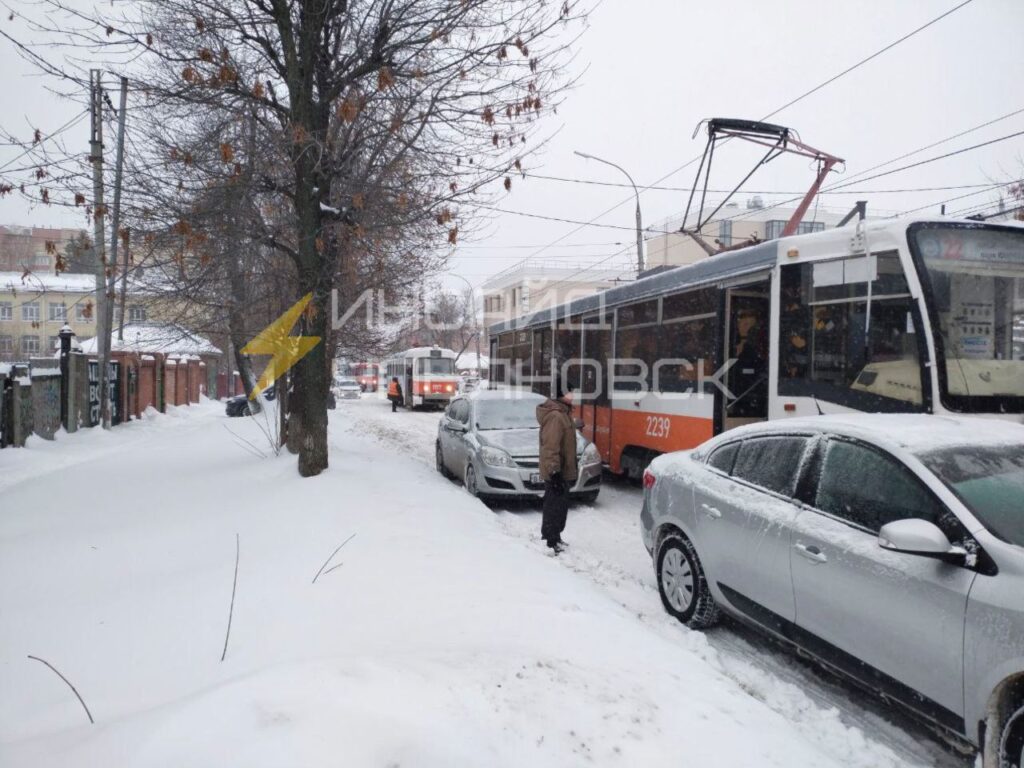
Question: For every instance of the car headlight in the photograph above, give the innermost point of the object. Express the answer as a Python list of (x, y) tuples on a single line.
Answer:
[(494, 457), (591, 455)]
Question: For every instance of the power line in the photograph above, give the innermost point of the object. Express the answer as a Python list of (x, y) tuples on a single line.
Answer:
[(790, 103), (865, 60), (73, 121), (657, 188)]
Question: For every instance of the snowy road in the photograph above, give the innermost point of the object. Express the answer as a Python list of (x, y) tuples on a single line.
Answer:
[(605, 547)]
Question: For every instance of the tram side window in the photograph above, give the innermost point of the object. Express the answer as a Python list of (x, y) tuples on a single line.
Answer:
[(542, 361), (521, 362), (501, 365), (827, 347), (636, 347), (687, 333), (568, 342)]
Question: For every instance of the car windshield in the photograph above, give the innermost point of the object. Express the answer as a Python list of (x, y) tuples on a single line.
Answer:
[(349, 383), (990, 481), (976, 279), (514, 413)]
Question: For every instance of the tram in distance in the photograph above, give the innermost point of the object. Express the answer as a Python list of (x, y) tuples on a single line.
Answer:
[(427, 376), (901, 315), (367, 375)]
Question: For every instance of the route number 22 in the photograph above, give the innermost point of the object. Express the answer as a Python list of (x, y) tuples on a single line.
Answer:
[(658, 426)]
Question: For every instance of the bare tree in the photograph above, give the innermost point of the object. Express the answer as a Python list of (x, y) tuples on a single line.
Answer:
[(374, 117)]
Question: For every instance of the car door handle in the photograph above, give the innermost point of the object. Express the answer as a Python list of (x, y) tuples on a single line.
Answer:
[(811, 553), (711, 511)]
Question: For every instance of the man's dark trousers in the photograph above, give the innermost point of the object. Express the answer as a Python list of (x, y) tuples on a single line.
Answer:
[(556, 509)]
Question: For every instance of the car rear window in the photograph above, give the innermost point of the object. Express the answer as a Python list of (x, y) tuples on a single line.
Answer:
[(771, 462)]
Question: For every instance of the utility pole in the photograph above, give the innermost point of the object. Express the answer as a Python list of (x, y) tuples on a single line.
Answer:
[(115, 223), (99, 241)]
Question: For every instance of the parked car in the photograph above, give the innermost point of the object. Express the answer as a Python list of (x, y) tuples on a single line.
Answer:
[(490, 440), (890, 548), (348, 389), (239, 404)]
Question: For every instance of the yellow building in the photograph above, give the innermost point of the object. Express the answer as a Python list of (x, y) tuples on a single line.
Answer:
[(35, 306)]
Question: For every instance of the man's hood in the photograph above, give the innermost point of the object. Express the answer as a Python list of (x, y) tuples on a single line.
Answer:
[(550, 405)]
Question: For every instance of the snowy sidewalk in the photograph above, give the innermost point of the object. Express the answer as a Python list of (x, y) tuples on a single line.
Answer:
[(431, 639)]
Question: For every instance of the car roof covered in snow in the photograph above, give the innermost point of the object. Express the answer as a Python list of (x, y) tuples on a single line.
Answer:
[(914, 433), (488, 395)]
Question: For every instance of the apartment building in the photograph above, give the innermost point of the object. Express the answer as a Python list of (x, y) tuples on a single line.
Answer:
[(531, 286), (33, 248), (733, 225)]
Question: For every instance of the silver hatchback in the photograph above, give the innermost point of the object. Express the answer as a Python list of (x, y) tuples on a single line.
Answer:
[(490, 440), (889, 547)]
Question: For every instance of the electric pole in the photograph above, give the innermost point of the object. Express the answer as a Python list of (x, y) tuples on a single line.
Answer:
[(115, 224), (99, 242)]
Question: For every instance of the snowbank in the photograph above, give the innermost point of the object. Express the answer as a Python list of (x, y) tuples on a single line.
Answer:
[(430, 639)]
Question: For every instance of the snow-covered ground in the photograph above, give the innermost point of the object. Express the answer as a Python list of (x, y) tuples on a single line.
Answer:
[(440, 634), (605, 547)]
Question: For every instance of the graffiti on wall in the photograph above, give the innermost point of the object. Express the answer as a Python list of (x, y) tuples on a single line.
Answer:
[(94, 393)]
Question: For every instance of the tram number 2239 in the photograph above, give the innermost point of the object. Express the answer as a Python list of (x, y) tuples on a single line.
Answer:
[(658, 426)]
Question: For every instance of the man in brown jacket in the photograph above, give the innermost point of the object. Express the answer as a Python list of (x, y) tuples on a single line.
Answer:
[(557, 464)]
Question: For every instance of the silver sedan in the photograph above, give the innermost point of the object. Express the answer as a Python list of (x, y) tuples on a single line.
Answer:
[(890, 548), (490, 439)]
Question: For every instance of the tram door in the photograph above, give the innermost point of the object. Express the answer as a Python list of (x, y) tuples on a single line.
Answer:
[(596, 407), (746, 341)]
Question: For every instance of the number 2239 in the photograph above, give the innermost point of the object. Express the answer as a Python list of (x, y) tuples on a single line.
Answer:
[(658, 426)]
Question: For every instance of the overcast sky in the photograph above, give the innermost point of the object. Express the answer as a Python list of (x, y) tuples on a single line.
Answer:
[(654, 68)]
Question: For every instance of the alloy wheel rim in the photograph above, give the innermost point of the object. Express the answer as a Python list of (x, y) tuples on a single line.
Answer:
[(1012, 740), (677, 580)]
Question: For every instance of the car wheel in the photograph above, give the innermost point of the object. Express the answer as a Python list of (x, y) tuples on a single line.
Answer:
[(588, 498), (470, 481), (439, 459), (682, 585), (1011, 741)]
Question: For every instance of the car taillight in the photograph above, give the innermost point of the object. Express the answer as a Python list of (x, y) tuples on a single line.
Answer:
[(649, 479)]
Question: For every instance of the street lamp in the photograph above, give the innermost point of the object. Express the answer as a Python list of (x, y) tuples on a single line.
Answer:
[(476, 320), (639, 225)]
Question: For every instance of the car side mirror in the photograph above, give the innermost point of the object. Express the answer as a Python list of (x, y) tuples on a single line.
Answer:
[(457, 426), (578, 423), (919, 537)]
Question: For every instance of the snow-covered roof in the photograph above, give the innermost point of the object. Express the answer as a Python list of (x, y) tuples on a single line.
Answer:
[(915, 433), (68, 282), (163, 338), (468, 360), (425, 352)]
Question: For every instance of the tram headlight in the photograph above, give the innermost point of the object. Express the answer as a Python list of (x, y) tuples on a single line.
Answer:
[(494, 457)]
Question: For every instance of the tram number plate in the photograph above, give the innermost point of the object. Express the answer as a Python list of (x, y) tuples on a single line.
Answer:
[(658, 426), (535, 478)]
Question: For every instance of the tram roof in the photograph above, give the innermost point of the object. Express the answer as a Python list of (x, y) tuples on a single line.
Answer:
[(714, 268)]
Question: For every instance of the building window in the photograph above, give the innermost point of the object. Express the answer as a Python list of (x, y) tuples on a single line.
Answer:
[(58, 312), (136, 314), (773, 229), (54, 343), (30, 345), (83, 312), (725, 232), (6, 345), (806, 227), (6, 310), (30, 311)]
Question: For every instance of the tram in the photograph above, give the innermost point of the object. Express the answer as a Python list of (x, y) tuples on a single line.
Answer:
[(427, 375), (896, 315)]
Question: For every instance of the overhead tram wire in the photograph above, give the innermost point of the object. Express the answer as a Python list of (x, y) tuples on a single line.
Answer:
[(788, 104)]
